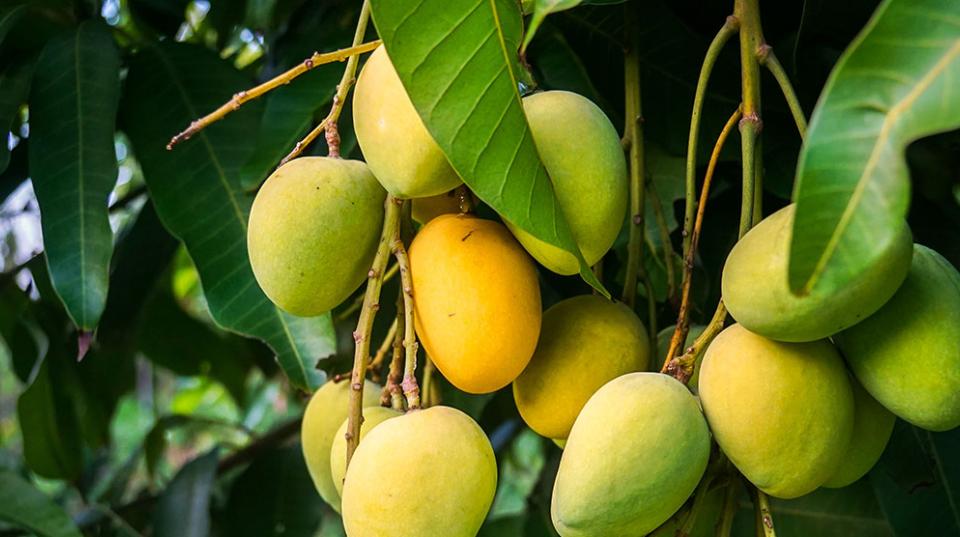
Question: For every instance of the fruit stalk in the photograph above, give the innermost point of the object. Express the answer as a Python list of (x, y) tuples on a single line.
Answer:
[(392, 394), (751, 41), (764, 517), (410, 388), (769, 60), (730, 27), (361, 336), (725, 526)]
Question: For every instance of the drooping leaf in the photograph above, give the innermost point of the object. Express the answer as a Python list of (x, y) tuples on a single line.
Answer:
[(197, 193), (14, 86), (51, 435), (73, 164), (25, 506), (458, 62), (184, 507), (542, 8), (895, 83)]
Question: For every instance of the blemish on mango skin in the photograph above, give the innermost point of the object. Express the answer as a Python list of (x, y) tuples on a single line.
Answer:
[(467, 236)]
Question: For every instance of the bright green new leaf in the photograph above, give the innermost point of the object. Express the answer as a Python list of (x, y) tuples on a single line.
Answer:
[(73, 107), (23, 505), (458, 62), (895, 83)]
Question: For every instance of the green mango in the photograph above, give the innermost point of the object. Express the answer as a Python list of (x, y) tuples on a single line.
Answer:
[(635, 454), (907, 355), (428, 473), (872, 427), (782, 412), (581, 151), (313, 231), (757, 295), (396, 145)]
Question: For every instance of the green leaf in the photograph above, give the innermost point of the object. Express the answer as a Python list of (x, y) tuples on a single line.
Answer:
[(542, 8), (184, 508), (458, 62), (917, 481), (51, 435), (197, 193), (852, 511), (73, 164), (274, 496), (14, 86), (895, 83), (519, 473), (25, 506)]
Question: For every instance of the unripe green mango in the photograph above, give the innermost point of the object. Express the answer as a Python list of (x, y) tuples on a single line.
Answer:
[(428, 473), (872, 427), (634, 456), (663, 346), (581, 151), (372, 416), (585, 342), (313, 232), (782, 412), (324, 413), (395, 143), (907, 355), (757, 294)]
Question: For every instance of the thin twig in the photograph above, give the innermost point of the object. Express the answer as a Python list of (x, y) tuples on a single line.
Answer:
[(377, 363), (725, 526), (633, 133), (238, 99), (429, 369), (768, 59), (305, 142), (411, 389), (355, 305), (664, 230), (680, 332), (764, 516), (368, 311), (392, 394)]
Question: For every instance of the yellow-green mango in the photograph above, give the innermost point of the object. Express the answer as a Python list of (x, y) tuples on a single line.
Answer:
[(757, 294), (872, 427), (587, 338), (782, 412), (395, 143), (424, 210), (428, 473), (907, 355), (372, 416), (663, 347), (477, 301), (313, 232), (581, 151), (634, 456), (325, 412)]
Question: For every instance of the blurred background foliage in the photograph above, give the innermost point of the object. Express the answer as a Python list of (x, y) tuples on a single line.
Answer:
[(172, 425)]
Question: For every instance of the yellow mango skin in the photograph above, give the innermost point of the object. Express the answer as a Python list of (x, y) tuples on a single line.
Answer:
[(313, 232), (396, 145), (428, 473), (325, 412), (907, 355), (872, 427), (757, 294), (581, 151), (663, 347), (614, 476), (782, 412), (372, 416), (587, 338), (477, 301)]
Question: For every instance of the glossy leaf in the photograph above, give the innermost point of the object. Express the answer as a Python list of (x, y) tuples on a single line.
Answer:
[(25, 506), (197, 193), (73, 164), (14, 86), (458, 62), (184, 508), (895, 83)]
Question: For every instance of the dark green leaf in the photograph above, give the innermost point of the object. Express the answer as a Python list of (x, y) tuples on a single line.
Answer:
[(559, 67), (23, 505), (164, 16), (184, 507), (848, 512), (458, 62), (73, 163), (14, 86), (197, 192), (51, 436), (274, 496), (894, 84)]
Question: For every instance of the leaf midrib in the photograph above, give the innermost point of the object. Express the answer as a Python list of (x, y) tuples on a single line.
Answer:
[(887, 126)]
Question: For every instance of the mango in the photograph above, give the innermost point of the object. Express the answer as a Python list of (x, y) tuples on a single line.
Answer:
[(757, 295), (581, 151), (586, 338), (907, 355), (424, 474), (324, 413), (634, 456), (872, 427), (372, 416), (424, 210), (782, 412), (663, 347), (396, 145), (477, 301), (313, 231)]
